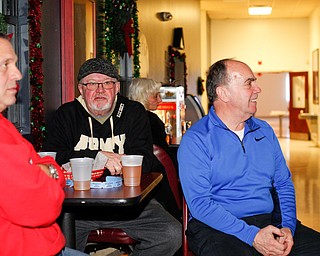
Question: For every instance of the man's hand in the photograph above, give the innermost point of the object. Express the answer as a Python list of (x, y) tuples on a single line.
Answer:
[(271, 241), (114, 162), (45, 169), (286, 239)]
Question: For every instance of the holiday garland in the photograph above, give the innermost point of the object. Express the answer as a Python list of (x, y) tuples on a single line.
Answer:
[(36, 75), (3, 24), (136, 42), (117, 24)]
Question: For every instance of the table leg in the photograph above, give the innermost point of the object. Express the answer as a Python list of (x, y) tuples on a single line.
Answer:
[(68, 229), (280, 126)]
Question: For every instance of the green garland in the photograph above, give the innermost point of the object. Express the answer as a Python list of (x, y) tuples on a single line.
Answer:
[(3, 24), (112, 15), (136, 42)]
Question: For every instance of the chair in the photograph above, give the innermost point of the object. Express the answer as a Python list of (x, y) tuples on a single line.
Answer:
[(171, 172), (116, 237), (194, 109), (185, 218), (110, 237)]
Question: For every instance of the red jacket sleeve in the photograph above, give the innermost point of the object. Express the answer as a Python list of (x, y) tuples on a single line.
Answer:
[(28, 196)]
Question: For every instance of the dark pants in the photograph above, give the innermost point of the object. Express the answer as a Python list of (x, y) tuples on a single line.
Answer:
[(206, 241)]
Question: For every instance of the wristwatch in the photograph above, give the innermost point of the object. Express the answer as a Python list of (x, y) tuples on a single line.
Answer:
[(53, 172)]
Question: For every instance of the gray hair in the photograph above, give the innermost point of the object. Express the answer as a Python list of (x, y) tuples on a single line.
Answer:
[(217, 75), (141, 88)]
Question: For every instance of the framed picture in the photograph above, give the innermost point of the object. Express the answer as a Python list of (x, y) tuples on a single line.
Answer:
[(315, 76)]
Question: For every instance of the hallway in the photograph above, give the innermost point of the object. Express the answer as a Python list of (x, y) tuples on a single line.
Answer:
[(303, 159)]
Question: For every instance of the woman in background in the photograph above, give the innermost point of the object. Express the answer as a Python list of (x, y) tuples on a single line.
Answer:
[(147, 92)]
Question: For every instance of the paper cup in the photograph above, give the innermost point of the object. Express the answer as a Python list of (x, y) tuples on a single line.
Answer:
[(52, 154), (81, 172), (131, 169)]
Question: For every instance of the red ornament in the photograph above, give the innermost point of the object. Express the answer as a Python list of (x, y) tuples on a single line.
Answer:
[(9, 36)]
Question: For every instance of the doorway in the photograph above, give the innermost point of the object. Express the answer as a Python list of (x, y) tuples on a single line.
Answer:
[(78, 19), (84, 35), (273, 101), (298, 104)]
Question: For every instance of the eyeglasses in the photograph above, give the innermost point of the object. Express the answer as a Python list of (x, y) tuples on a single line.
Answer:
[(105, 85)]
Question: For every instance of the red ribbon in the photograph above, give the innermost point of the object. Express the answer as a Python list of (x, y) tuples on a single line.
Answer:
[(128, 31)]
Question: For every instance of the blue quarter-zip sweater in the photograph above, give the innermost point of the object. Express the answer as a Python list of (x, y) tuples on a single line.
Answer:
[(225, 179)]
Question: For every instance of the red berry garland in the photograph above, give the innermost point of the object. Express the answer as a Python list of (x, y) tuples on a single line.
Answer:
[(36, 74)]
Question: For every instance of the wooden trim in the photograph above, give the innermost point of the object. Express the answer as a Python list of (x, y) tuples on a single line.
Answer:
[(67, 51), (94, 15)]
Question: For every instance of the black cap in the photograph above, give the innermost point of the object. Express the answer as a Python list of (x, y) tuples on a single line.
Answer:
[(98, 65)]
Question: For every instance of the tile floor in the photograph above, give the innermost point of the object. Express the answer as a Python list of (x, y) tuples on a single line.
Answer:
[(303, 159)]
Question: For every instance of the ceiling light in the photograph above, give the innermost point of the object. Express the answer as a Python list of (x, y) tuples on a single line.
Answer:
[(260, 10)]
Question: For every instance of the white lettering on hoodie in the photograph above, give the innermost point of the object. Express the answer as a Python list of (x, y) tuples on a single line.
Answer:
[(99, 143)]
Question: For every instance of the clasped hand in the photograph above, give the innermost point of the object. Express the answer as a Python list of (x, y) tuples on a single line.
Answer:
[(272, 241), (45, 169), (114, 162)]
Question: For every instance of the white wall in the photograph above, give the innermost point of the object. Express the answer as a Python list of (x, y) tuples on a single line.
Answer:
[(281, 44), (159, 35)]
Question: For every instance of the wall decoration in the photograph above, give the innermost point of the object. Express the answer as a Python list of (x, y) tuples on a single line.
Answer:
[(118, 31), (315, 76), (177, 58)]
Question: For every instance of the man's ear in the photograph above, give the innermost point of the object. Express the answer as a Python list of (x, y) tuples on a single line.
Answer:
[(118, 87), (222, 93), (80, 88)]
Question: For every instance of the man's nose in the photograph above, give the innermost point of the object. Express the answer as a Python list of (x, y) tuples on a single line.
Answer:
[(257, 89)]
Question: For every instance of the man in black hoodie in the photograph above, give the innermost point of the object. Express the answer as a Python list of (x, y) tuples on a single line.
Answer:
[(101, 121)]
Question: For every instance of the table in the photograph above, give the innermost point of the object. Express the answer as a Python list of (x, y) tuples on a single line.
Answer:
[(123, 196), (312, 123), (280, 114)]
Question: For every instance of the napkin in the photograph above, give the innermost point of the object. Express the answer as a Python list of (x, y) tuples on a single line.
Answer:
[(98, 163)]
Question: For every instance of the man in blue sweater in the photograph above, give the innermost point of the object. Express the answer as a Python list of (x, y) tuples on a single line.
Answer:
[(235, 178)]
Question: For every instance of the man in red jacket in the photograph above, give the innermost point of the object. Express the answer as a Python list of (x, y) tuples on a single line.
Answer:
[(31, 187)]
